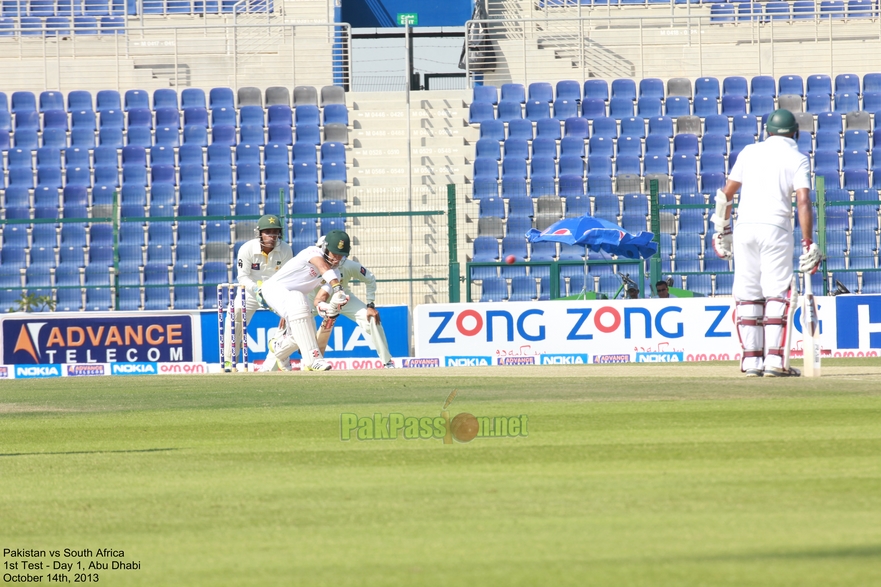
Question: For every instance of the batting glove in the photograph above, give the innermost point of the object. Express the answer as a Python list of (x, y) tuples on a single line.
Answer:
[(339, 298), (328, 310), (723, 243), (810, 258), (258, 295)]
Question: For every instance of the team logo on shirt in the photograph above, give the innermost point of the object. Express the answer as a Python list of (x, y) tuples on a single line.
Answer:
[(255, 266), (363, 271)]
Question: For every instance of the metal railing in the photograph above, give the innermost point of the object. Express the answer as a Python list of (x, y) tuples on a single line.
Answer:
[(609, 43), (152, 57)]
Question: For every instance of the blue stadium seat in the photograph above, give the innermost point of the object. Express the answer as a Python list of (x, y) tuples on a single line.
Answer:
[(55, 137), (646, 107), (548, 128), (55, 119), (605, 127), (735, 86), (818, 103), (599, 145), (739, 140), (26, 138), (707, 86), (136, 99), (480, 111), (195, 116), (576, 128), (846, 102), (544, 147), (486, 94), (494, 289), (572, 165), (186, 298), (333, 171), (593, 108), (651, 88), (712, 181), (167, 136), (495, 129), (83, 119), (621, 106), (596, 88), (110, 137), (661, 125), (779, 10), (140, 136), (677, 106), (80, 137), (510, 110)]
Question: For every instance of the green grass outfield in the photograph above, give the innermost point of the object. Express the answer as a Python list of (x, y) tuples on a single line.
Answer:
[(667, 475)]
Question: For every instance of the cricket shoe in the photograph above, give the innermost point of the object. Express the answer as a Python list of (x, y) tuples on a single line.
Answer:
[(319, 365), (782, 372), (389, 365), (279, 364), (754, 372)]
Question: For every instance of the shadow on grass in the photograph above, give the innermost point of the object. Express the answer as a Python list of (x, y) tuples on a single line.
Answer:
[(85, 452), (867, 551)]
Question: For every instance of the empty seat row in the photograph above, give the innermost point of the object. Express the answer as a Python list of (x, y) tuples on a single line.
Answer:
[(184, 156), (247, 116), (49, 8), (104, 100), (34, 26), (709, 87), (12, 8), (800, 10)]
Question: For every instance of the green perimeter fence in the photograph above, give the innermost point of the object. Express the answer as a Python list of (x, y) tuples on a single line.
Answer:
[(840, 261), (404, 244), (408, 241)]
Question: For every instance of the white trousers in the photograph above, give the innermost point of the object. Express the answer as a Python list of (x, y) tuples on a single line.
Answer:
[(762, 261), (294, 307), (762, 277)]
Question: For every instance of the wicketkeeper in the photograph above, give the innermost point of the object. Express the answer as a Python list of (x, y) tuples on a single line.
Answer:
[(365, 315), (287, 294), (258, 260)]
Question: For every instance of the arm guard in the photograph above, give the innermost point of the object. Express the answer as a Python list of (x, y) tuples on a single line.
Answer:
[(722, 205)]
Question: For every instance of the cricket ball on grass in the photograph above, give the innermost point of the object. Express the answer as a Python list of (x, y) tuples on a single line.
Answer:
[(464, 427), (510, 259)]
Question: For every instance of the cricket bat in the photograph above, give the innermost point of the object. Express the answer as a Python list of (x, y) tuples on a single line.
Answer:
[(324, 331), (810, 331), (790, 322)]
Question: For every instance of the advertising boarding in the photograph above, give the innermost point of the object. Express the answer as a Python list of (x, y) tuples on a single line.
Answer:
[(614, 331), (67, 338)]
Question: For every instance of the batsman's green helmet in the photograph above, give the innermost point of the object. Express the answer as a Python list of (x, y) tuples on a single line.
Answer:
[(338, 242), (781, 122), (267, 222)]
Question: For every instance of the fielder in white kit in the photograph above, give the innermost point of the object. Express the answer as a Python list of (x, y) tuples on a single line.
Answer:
[(286, 294), (257, 261), (766, 174), (365, 315)]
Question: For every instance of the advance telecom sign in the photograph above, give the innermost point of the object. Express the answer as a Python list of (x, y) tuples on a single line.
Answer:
[(671, 330), (46, 339)]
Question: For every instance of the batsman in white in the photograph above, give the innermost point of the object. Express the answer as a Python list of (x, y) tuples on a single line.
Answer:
[(766, 174), (365, 315), (287, 292), (258, 260)]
